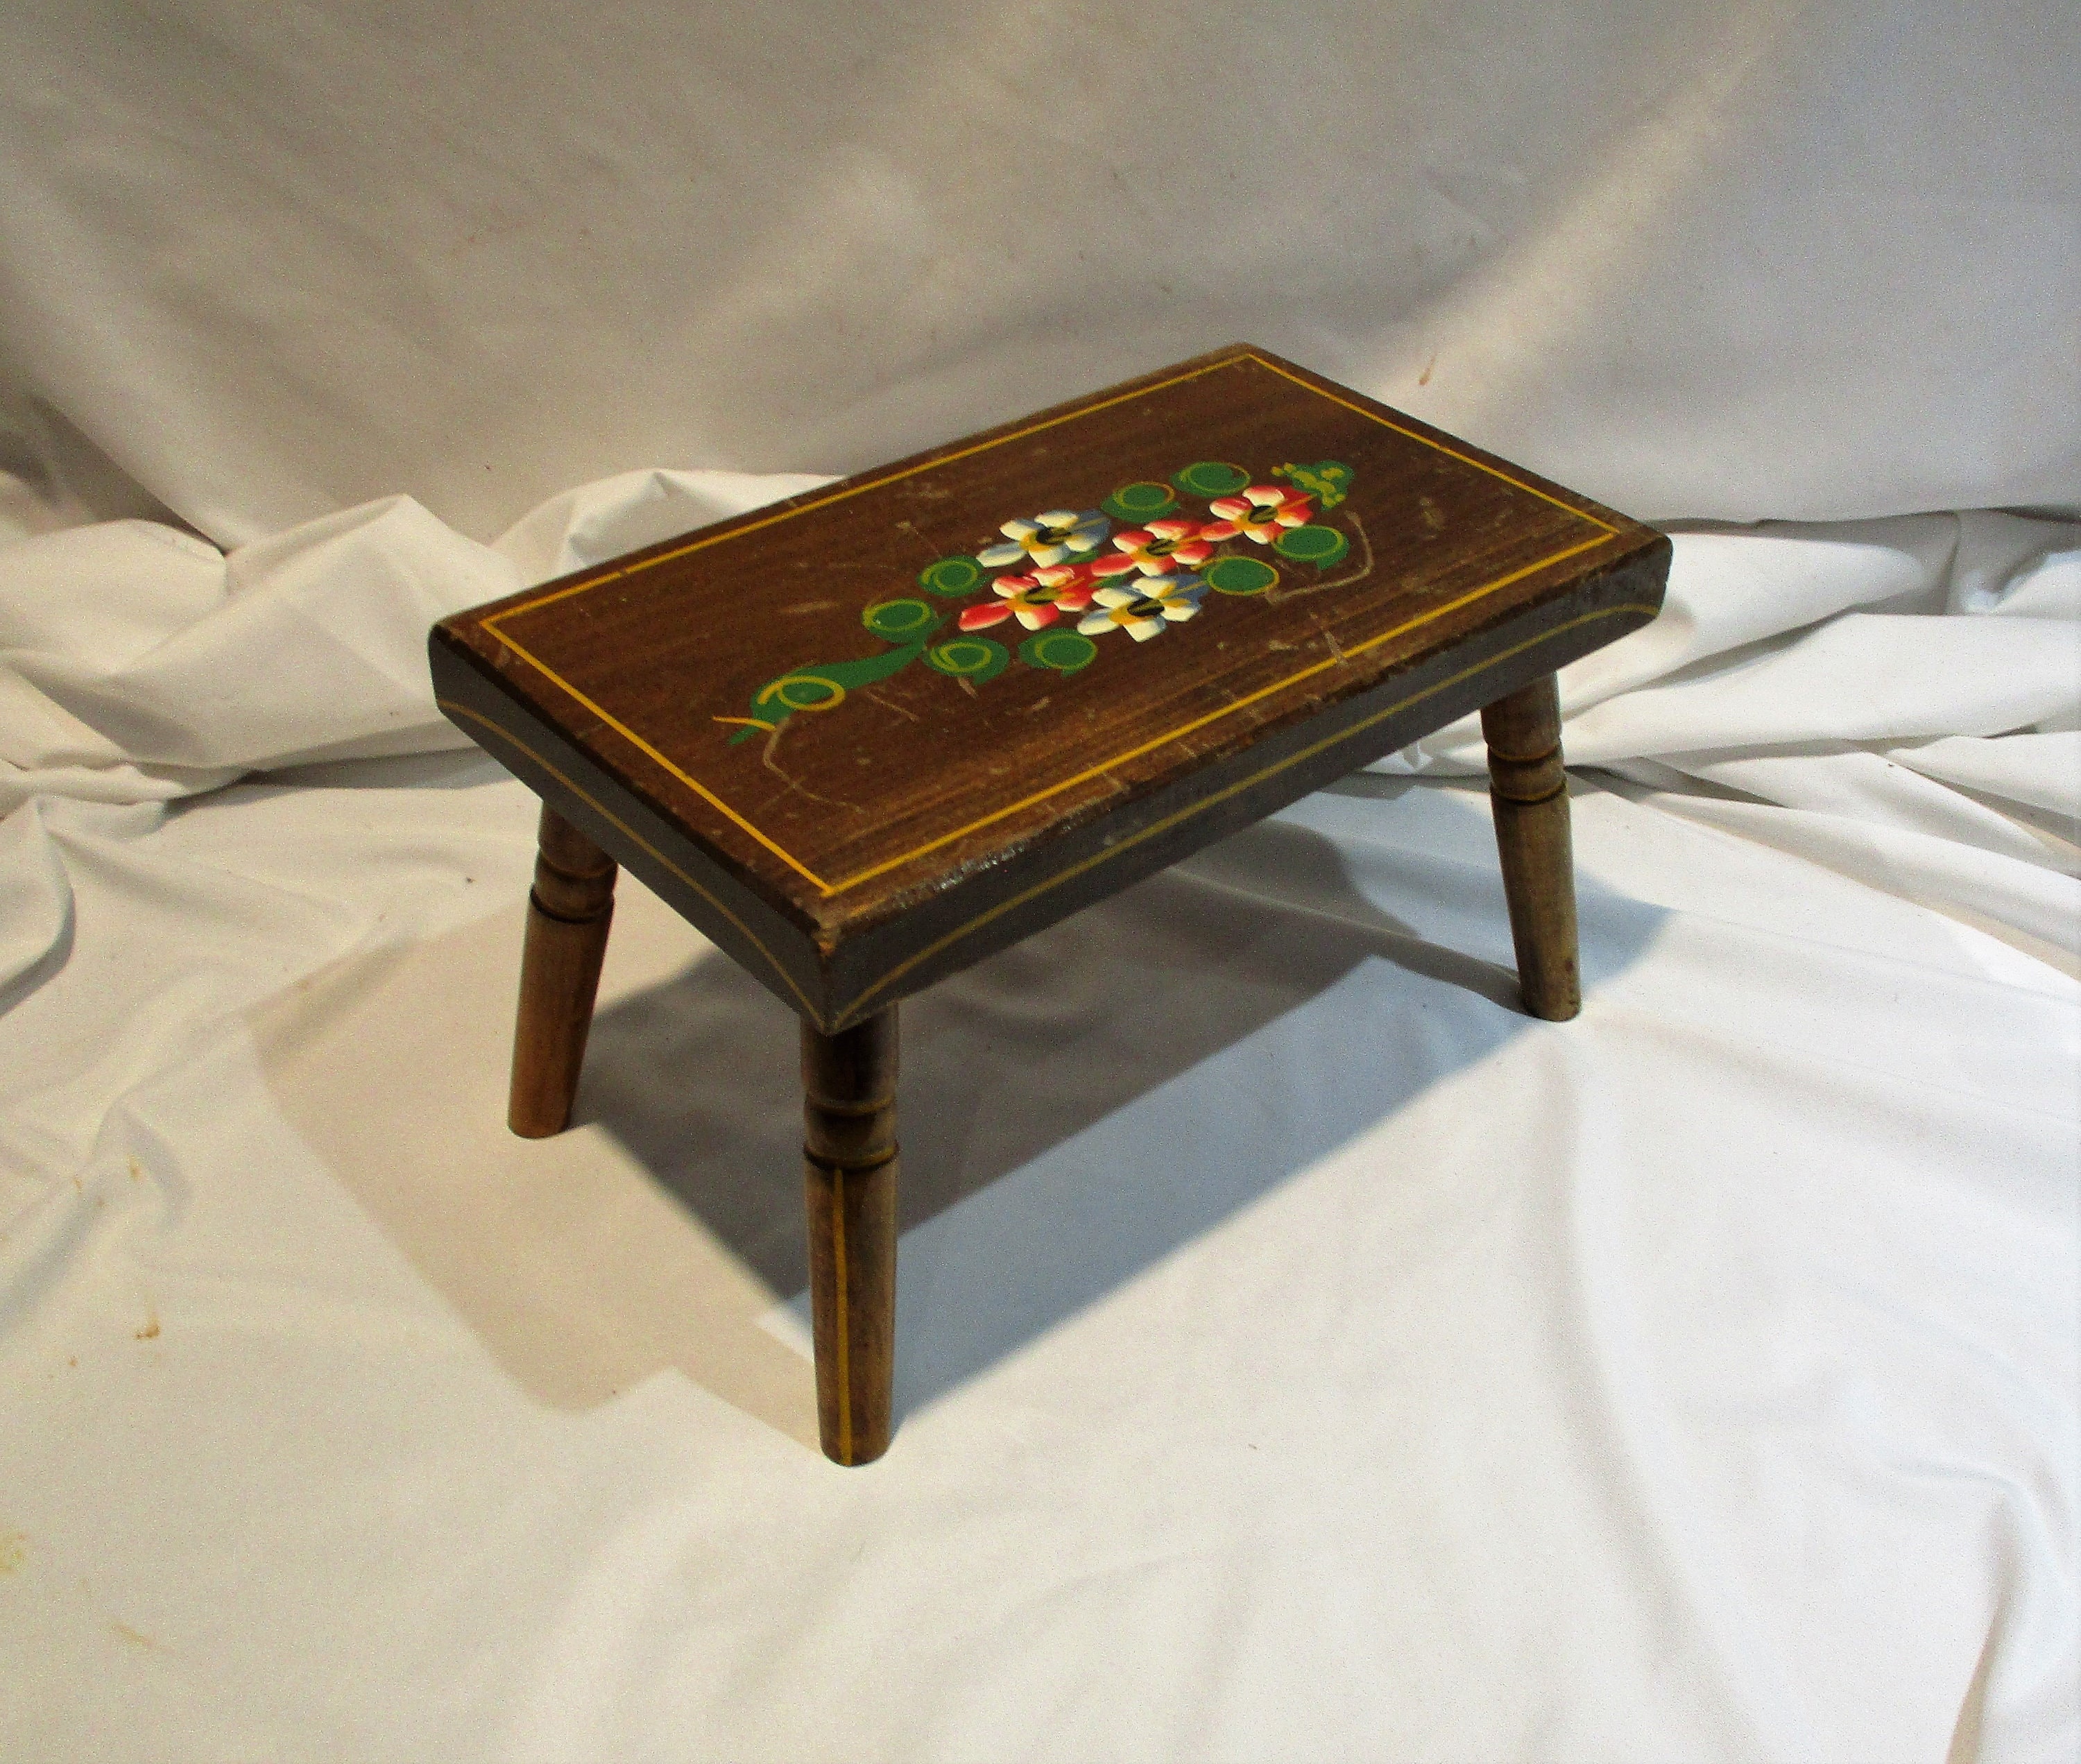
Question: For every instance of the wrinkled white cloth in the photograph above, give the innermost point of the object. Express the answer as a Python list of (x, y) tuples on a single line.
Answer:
[(139, 663), (1302, 1353), (1911, 688), (1811, 258)]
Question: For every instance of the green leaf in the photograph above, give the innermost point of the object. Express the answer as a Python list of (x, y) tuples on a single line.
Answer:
[(968, 658), (952, 577), (818, 686), (1240, 575), (1211, 478), (1321, 546), (902, 621), (1059, 652), (1135, 503)]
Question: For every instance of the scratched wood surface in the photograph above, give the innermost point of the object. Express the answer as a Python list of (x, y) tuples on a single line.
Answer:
[(831, 738)]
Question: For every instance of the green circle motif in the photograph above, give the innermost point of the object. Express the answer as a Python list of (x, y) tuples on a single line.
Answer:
[(1059, 652), (1240, 575), (786, 691), (1142, 502), (968, 658), (1321, 546), (1211, 477), (952, 576), (899, 621)]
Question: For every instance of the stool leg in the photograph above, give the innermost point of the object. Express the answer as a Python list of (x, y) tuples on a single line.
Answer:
[(569, 911), (1529, 794), (849, 1152)]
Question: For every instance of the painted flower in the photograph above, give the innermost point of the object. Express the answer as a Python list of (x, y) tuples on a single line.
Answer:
[(1158, 548), (1034, 599), (1142, 610), (1048, 538), (1258, 514)]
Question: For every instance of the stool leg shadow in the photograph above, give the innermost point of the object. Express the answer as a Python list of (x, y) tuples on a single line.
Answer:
[(1030, 1184)]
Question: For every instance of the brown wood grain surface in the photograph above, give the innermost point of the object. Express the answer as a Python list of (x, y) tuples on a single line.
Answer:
[(841, 851)]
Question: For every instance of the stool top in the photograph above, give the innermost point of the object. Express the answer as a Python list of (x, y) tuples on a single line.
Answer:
[(966, 672)]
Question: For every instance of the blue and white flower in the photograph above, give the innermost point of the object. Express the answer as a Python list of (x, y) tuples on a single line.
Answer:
[(1048, 538), (1143, 610)]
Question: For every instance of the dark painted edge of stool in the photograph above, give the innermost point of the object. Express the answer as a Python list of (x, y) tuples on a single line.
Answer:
[(765, 942), (1059, 871), (1085, 863)]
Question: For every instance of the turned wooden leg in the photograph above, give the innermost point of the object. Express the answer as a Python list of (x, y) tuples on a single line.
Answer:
[(1528, 793), (569, 911), (849, 1151)]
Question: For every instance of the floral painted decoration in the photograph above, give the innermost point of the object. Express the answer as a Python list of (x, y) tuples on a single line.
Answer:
[(1158, 548), (1046, 539), (1161, 564), (1258, 514), (1035, 599), (1143, 610)]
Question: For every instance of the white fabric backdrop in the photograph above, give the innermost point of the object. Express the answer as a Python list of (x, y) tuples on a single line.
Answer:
[(1766, 259), (1303, 1354)]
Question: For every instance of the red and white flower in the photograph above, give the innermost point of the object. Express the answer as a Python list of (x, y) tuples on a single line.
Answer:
[(1034, 600), (1258, 514), (1158, 548)]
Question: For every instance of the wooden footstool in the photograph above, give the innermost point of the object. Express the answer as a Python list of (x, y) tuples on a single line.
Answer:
[(866, 737)]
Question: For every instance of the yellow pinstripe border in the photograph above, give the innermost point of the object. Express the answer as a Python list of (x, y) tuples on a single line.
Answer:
[(1606, 532), (613, 819), (845, 1322), (1227, 709), (1465, 458), (840, 1018), (875, 484), (685, 777)]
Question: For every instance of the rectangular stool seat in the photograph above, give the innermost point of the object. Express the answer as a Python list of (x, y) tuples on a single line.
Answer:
[(855, 795)]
